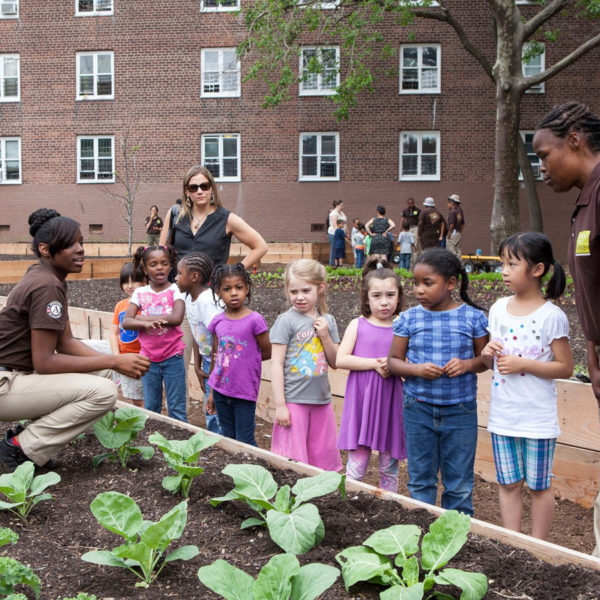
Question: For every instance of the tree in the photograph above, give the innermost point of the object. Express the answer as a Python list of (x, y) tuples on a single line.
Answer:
[(130, 179), (275, 28)]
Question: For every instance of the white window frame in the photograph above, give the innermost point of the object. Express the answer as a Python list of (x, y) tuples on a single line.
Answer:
[(95, 158), (419, 67), (419, 176), (95, 55), (320, 90), (534, 160), (3, 58), (96, 11), (12, 5), (322, 5), (221, 137), (529, 69), (221, 93), (319, 135), (3, 180), (216, 6)]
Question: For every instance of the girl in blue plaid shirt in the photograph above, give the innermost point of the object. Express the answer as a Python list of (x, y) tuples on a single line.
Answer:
[(437, 350)]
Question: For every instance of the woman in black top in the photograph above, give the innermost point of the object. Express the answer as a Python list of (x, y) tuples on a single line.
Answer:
[(154, 225), (378, 228)]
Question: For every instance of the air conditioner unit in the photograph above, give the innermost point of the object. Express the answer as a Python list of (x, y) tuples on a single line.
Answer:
[(9, 8)]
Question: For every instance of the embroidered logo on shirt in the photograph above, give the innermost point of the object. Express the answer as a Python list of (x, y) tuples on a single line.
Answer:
[(54, 309), (582, 247)]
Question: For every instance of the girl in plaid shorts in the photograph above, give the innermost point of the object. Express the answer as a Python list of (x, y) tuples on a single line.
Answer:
[(529, 349)]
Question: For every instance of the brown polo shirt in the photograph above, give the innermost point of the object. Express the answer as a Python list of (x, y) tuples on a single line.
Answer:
[(584, 256), (38, 301)]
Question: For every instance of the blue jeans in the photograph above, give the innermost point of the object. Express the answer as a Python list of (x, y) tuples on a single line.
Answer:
[(441, 438), (404, 262), (359, 258), (330, 236), (171, 372), (236, 417), (212, 421)]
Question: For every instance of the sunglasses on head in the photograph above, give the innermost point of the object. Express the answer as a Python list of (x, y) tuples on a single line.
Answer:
[(193, 187)]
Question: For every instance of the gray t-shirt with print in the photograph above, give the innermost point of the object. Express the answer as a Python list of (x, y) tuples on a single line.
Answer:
[(305, 378)]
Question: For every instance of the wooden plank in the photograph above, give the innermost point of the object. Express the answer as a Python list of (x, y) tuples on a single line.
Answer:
[(544, 550)]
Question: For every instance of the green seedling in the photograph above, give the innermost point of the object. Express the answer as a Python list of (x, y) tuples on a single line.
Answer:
[(293, 525), (117, 431), (23, 490), (82, 596), (182, 455), (447, 535), (282, 578), (13, 573), (145, 541)]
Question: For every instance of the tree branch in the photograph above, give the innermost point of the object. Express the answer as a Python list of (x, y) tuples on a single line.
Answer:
[(531, 26)]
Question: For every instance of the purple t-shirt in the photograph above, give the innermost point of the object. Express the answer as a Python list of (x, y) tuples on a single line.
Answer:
[(238, 364), (159, 344)]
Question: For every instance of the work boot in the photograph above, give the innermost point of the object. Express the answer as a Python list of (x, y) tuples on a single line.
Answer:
[(11, 456)]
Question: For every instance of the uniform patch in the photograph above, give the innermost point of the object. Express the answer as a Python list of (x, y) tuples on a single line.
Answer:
[(54, 309), (582, 247)]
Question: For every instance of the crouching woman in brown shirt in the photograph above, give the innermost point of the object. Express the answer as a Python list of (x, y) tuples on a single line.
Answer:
[(47, 376)]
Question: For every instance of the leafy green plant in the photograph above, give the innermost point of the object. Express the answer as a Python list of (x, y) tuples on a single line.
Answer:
[(13, 573), (82, 596), (145, 541), (24, 490), (447, 535), (293, 525), (282, 578), (182, 455), (117, 431)]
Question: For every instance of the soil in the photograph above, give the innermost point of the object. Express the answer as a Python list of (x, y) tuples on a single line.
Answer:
[(60, 531)]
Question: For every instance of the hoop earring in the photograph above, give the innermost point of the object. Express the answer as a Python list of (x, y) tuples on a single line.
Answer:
[(212, 200), (188, 202)]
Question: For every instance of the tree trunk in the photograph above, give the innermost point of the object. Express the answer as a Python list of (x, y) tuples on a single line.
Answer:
[(536, 222)]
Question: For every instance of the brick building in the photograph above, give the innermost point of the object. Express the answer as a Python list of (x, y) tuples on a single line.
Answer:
[(75, 75)]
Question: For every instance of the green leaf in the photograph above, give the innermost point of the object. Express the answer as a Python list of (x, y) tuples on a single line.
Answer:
[(147, 452), (253, 482), (410, 571), (169, 527), (397, 539), (172, 483), (397, 592), (7, 536), (41, 482), (41, 497), (282, 499), (308, 488), (474, 586), (100, 458), (295, 531), (230, 495), (104, 557), (139, 553), (117, 513), (360, 563), (252, 522), (312, 580), (183, 553), (274, 582), (227, 581), (12, 573), (106, 434), (446, 536)]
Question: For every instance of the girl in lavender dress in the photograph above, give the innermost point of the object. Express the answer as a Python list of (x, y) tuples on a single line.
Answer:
[(372, 416)]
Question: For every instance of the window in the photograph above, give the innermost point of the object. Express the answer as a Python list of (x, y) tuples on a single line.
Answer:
[(420, 155), (319, 69), (9, 10), (220, 73), (420, 69), (9, 78), (10, 160), (319, 157), (93, 7), (95, 76), (319, 4), (534, 161), (219, 5), (221, 155), (534, 65), (95, 159)]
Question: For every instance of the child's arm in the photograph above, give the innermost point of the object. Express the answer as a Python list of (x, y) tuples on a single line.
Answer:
[(346, 360), (397, 364), (329, 346), (282, 414), (264, 344), (491, 351), (559, 368), (200, 374), (134, 321), (176, 316), (457, 366), (114, 339)]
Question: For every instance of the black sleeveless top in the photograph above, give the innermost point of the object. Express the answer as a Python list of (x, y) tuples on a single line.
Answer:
[(212, 237)]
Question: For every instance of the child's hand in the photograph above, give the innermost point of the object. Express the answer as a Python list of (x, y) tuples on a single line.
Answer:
[(430, 371), (455, 367), (155, 324), (282, 416), (492, 349), (382, 367), (509, 364), (210, 404), (201, 375), (321, 328)]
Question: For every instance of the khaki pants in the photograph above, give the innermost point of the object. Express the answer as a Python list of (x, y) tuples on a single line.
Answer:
[(60, 406), (453, 243)]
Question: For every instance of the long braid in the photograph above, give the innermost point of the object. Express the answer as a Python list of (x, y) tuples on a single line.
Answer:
[(573, 116), (201, 263)]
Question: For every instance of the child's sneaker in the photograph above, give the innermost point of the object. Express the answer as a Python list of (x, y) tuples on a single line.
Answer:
[(11, 456)]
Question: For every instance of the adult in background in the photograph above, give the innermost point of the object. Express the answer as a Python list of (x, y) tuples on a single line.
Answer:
[(47, 376), (167, 232), (411, 215), (334, 214), (432, 225), (154, 225), (378, 228), (456, 224), (567, 142)]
